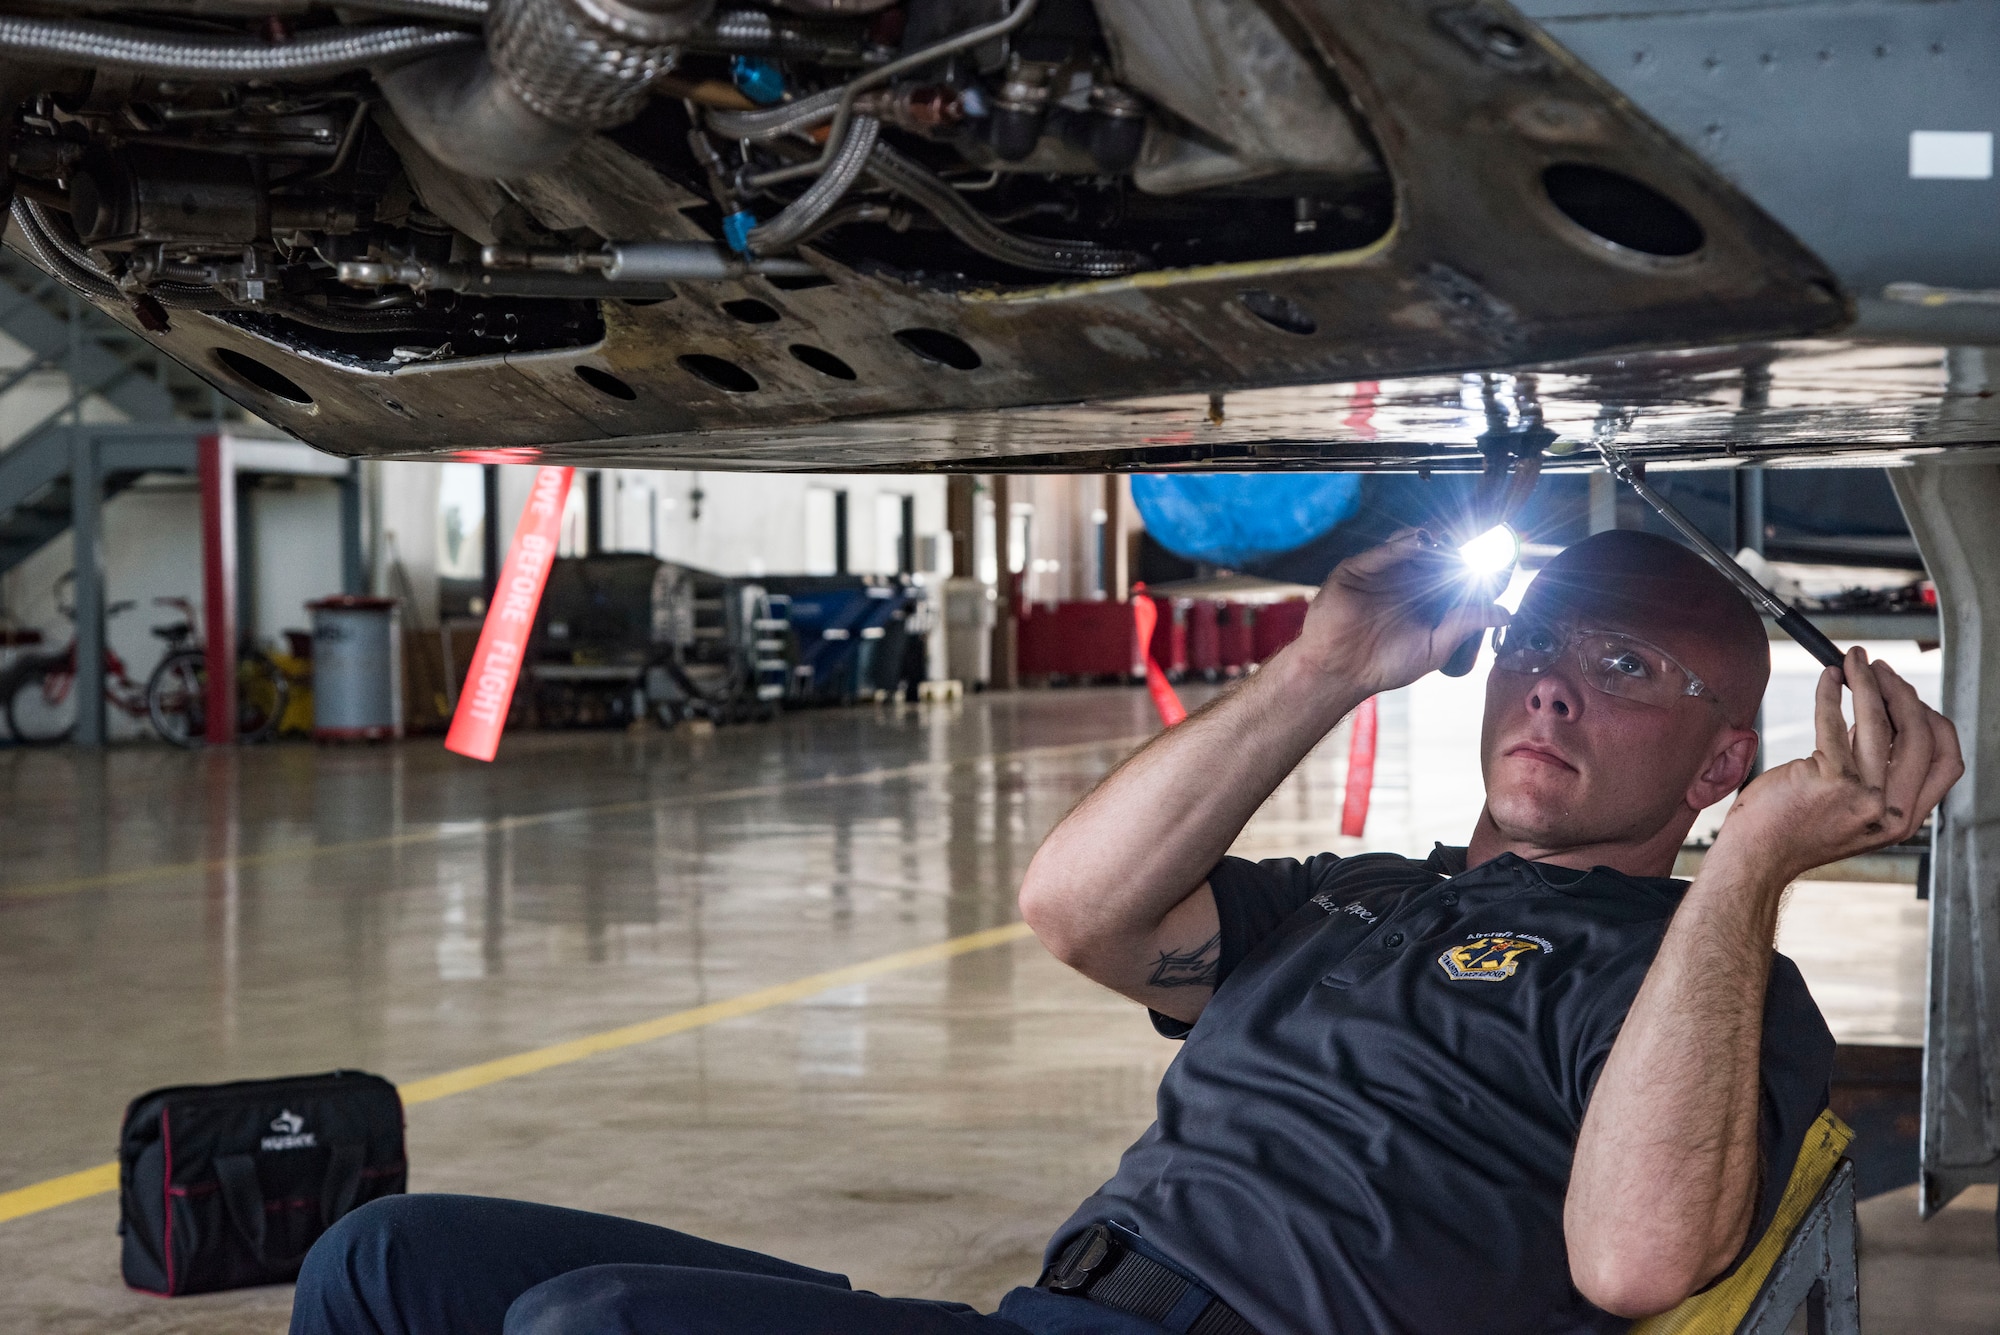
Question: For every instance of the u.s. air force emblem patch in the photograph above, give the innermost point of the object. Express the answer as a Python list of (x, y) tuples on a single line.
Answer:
[(1489, 958)]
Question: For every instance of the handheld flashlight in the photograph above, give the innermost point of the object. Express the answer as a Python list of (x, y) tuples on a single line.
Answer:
[(1473, 571)]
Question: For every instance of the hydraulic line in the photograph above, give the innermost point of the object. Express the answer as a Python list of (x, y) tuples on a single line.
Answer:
[(770, 122), (843, 106), (315, 53), (60, 254), (798, 219), (470, 12), (1082, 259), (84, 280)]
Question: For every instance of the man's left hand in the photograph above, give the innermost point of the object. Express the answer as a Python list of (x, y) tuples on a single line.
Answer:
[(1862, 788)]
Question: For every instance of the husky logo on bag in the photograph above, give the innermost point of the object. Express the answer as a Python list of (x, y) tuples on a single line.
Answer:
[(292, 1134)]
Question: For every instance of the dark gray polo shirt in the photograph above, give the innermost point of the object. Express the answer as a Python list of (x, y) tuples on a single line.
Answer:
[(1370, 1128)]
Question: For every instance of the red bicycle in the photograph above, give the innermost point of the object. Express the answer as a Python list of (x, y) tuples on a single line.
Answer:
[(39, 690)]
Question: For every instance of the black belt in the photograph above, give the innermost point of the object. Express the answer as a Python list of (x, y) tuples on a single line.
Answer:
[(1103, 1267)]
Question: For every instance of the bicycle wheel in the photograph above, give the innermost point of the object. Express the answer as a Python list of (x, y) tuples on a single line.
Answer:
[(261, 695), (177, 698), (41, 701)]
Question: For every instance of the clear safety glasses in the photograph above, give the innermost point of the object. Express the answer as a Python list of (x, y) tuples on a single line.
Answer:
[(1616, 664)]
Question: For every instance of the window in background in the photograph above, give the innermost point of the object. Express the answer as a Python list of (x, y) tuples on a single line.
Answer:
[(574, 539), (633, 531), (892, 533), (840, 532), (985, 539), (1022, 528), (821, 557), (461, 540)]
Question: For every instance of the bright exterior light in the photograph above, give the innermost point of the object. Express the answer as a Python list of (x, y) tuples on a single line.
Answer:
[(1491, 552)]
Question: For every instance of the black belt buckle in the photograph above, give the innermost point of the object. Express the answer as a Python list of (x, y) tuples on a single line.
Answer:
[(1081, 1261)]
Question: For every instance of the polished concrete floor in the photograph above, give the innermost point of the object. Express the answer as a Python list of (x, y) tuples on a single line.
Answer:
[(170, 917)]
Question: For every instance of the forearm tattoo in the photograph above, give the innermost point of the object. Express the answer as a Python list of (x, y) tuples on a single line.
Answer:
[(1199, 967)]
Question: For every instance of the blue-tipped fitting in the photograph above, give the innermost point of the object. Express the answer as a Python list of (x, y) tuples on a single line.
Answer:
[(758, 79), (736, 230)]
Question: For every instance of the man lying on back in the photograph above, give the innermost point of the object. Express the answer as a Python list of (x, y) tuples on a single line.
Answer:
[(1528, 1085)]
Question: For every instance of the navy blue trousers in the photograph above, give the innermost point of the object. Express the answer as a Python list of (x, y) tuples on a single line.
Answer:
[(471, 1265)]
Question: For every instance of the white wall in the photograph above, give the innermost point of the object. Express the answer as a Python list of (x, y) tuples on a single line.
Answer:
[(295, 556), (741, 523), (405, 501)]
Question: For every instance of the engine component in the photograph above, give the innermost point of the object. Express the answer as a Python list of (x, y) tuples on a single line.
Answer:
[(198, 200), (1081, 258), (754, 32), (1252, 103), (800, 217), (639, 270), (1117, 127), (843, 107), (824, 8), (321, 53), (758, 79), (552, 71), (1021, 108)]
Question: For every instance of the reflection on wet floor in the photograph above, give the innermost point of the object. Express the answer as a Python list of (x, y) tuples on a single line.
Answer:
[(174, 917)]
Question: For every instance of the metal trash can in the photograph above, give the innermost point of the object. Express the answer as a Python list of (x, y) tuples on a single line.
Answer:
[(357, 668)]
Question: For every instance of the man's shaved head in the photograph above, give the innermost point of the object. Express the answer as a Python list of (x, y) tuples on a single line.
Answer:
[(1653, 587), (1575, 772)]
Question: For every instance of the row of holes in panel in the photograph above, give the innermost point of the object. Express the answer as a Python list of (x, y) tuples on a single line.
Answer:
[(932, 345)]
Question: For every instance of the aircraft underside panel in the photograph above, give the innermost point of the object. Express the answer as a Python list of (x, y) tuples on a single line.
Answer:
[(1866, 128), (1538, 217)]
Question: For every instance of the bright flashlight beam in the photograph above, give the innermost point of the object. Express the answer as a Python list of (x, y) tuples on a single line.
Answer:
[(1493, 551)]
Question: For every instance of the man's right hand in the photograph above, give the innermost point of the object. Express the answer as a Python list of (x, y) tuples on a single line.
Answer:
[(1119, 889), (1369, 628)]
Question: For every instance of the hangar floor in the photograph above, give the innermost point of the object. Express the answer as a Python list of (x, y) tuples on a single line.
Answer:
[(921, 1120)]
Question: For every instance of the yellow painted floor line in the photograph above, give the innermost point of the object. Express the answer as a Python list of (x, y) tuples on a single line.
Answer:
[(467, 829), (104, 1178)]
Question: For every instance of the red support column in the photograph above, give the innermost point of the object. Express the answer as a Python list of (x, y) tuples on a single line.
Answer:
[(218, 584)]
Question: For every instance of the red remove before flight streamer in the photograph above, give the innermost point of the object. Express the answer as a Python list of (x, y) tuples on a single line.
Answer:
[(510, 621)]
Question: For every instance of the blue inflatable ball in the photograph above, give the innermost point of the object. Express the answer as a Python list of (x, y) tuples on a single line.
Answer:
[(1232, 519)]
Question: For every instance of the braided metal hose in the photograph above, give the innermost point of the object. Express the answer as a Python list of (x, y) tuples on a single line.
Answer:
[(798, 218), (84, 280), (770, 122), (1082, 259), (471, 12), (316, 53), (55, 250)]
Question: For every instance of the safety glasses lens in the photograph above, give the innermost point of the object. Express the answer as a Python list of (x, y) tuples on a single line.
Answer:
[(1631, 669)]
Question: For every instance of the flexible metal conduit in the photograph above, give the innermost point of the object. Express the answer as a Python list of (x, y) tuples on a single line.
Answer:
[(770, 122), (315, 53), (843, 108), (1083, 259), (85, 282), (796, 221), (49, 238), (472, 12)]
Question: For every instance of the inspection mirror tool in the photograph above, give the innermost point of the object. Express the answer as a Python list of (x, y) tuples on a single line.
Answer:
[(1792, 621)]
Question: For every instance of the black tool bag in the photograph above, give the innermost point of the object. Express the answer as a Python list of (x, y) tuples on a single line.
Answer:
[(225, 1186)]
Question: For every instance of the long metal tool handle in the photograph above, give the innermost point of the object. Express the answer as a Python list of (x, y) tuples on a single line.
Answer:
[(1790, 620)]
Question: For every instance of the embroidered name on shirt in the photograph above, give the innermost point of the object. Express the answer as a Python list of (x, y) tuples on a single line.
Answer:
[(1490, 957), (1326, 902)]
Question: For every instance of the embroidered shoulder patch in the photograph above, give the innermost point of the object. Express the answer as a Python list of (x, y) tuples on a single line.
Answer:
[(1488, 959)]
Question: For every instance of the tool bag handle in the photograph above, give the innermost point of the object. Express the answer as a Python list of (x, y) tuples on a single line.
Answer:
[(243, 1196)]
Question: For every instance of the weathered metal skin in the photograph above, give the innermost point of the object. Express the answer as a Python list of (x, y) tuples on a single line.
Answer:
[(1468, 105)]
